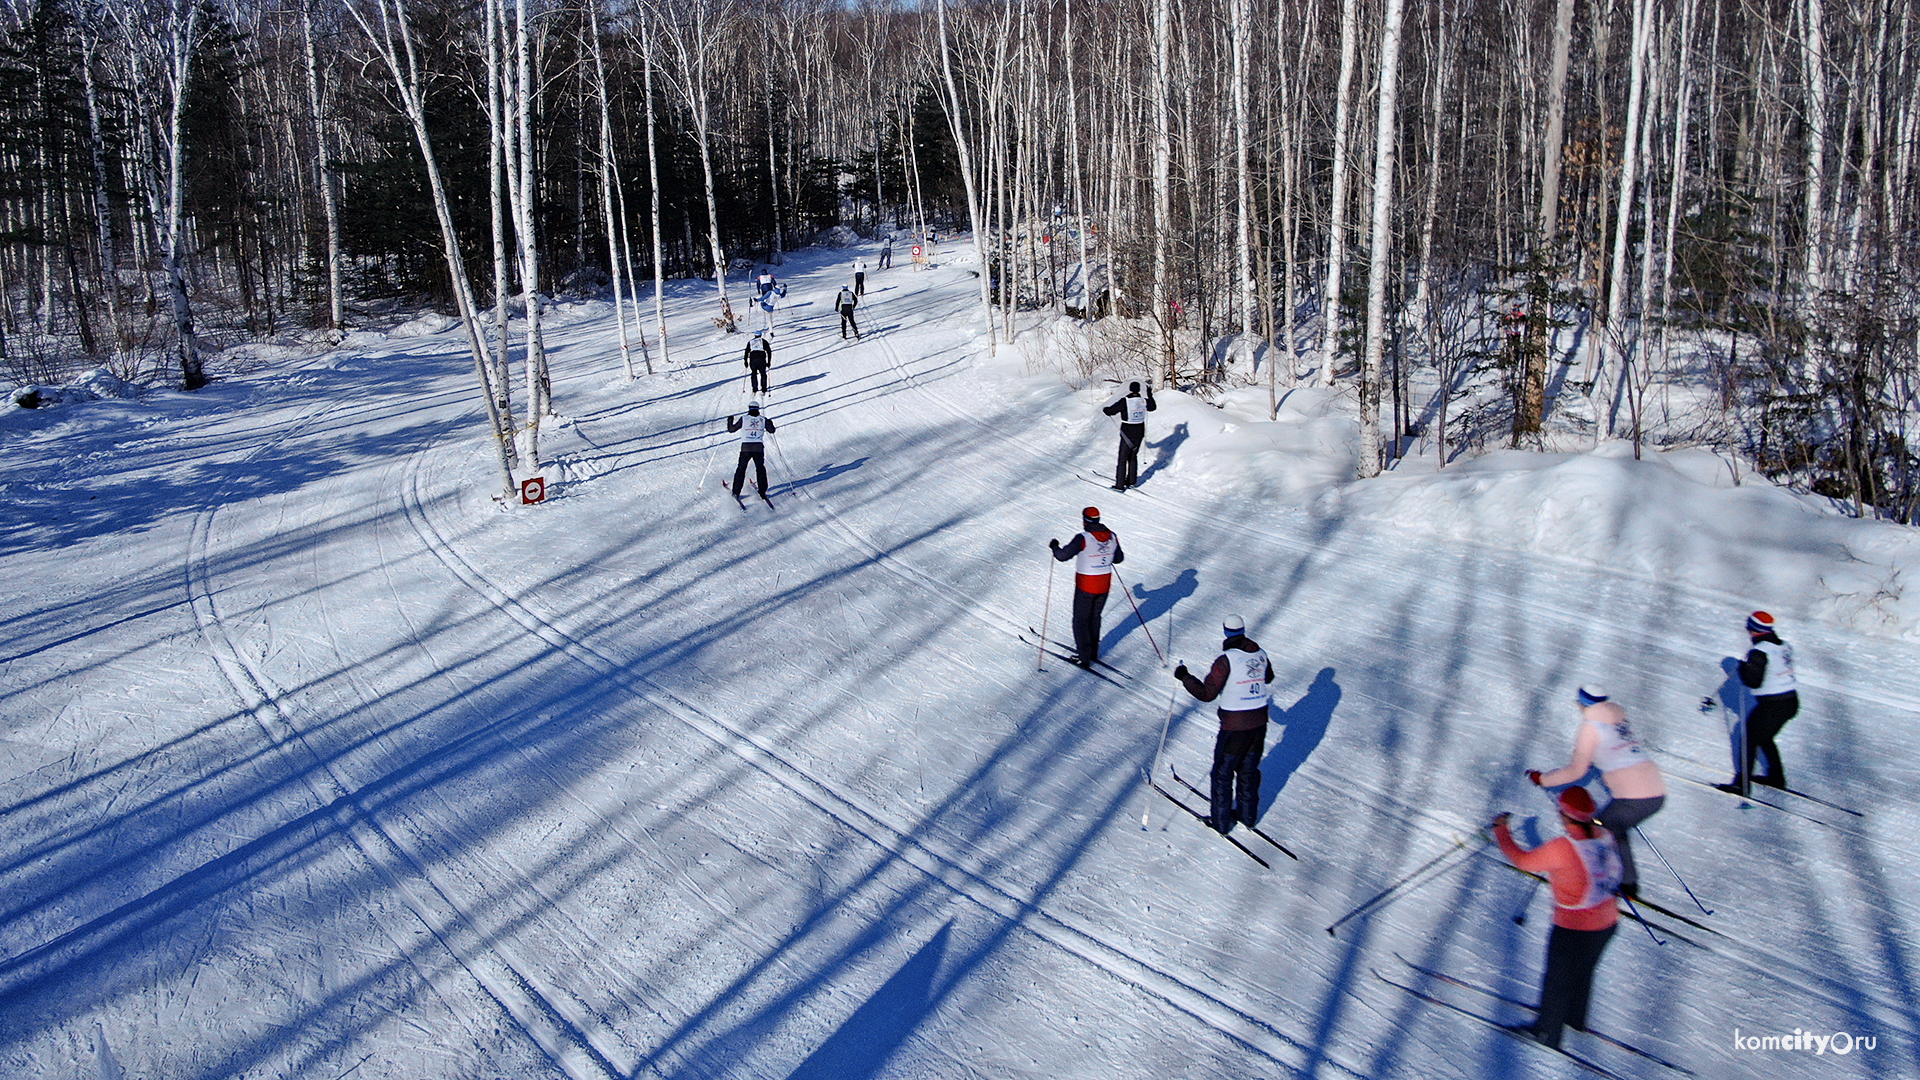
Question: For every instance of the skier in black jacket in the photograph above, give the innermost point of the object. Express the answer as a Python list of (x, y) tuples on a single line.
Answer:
[(846, 302), (758, 357), (753, 447), (1768, 672), (1132, 411)]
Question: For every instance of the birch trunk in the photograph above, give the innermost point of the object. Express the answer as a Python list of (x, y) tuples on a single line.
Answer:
[(956, 120), (1337, 216), (1385, 133)]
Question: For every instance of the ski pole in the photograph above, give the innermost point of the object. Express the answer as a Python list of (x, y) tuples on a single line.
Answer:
[(1142, 618), (1399, 885), (1172, 700), (1676, 874), (1040, 661), (1520, 917), (714, 454), (1632, 907)]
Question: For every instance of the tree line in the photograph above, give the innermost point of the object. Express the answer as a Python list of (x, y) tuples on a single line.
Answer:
[(1698, 192)]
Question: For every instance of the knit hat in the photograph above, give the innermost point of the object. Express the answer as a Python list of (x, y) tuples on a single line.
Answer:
[(1133, 387), (1233, 626), (753, 406), (1090, 514), (1760, 623), (1577, 804), (1591, 694)]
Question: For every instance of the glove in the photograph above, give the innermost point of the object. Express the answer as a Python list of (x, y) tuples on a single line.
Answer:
[(1053, 545), (1500, 818), (1534, 775), (1707, 704), (1181, 672)]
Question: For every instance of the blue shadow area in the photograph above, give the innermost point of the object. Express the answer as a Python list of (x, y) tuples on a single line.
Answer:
[(1164, 451), (1152, 604), (1306, 725), (876, 1029)]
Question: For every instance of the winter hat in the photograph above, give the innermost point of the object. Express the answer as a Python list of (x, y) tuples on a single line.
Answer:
[(1091, 515), (758, 333), (753, 406), (1133, 387), (1760, 623), (1233, 626), (1591, 694), (1577, 804)]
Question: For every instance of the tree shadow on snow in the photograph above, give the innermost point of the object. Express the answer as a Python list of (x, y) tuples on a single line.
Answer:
[(862, 1045), (1300, 730)]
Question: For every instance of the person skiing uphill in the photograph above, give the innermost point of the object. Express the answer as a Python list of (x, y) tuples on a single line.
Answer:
[(1583, 869), (1095, 551), (1606, 741), (1238, 682), (1768, 672), (859, 277), (1132, 410), (758, 357), (846, 302), (886, 253), (770, 293), (753, 447)]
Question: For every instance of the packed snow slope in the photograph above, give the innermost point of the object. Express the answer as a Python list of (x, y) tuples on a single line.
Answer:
[(320, 762)]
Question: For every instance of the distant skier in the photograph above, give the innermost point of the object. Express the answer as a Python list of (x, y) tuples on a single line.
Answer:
[(771, 291), (758, 357), (1606, 741), (1132, 410), (766, 282), (846, 302), (886, 254), (859, 276), (1583, 869), (1768, 672), (753, 447), (1238, 682), (1096, 551)]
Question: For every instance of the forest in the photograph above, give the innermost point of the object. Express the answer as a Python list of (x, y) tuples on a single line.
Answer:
[(1407, 197)]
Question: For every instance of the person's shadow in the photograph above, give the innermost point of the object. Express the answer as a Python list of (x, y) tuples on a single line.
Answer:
[(1293, 734), (1153, 603), (1736, 701), (1164, 450)]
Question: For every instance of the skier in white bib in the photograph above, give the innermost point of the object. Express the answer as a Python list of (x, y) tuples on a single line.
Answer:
[(1606, 742), (846, 301), (1132, 410), (1237, 683), (753, 447), (1095, 551), (1768, 672), (859, 277), (758, 357)]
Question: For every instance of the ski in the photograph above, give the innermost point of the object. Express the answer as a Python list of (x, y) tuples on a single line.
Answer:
[(1058, 655), (1257, 831), (1202, 819), (1591, 1066), (1749, 798), (736, 498), (1821, 801), (1453, 980), (768, 501), (1102, 663)]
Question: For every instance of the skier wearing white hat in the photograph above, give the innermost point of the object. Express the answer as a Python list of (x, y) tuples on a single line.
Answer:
[(1238, 682)]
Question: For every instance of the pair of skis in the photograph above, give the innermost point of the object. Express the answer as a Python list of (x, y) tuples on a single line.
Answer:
[(1451, 980), (1206, 821), (743, 502), (1099, 668)]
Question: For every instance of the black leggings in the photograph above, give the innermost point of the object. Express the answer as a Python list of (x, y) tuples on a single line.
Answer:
[(1620, 818), (1769, 715), (1571, 957)]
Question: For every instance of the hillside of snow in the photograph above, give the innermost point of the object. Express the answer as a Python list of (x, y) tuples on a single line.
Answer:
[(318, 761)]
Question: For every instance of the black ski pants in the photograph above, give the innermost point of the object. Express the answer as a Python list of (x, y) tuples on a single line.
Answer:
[(847, 323), (1087, 607), (1126, 472), (1572, 956), (860, 283), (756, 453), (1236, 777), (1620, 818), (757, 378), (1769, 715)]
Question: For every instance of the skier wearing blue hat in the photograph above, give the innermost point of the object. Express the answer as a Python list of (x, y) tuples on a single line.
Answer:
[(1606, 742)]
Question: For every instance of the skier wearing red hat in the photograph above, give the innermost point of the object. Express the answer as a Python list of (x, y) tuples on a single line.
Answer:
[(1583, 870), (1768, 672), (1096, 551)]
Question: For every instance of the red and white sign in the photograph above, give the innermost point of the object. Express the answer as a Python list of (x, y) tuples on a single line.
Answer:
[(533, 490)]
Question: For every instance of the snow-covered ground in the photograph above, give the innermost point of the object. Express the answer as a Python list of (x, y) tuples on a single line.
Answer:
[(318, 763)]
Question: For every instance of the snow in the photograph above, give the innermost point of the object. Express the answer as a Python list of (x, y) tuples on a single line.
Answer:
[(319, 762)]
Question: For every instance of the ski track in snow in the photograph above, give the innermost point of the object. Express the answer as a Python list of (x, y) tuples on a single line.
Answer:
[(474, 702)]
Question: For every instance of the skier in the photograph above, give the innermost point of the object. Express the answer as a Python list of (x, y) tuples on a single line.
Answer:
[(1768, 672), (753, 447), (758, 357), (1606, 741), (771, 292), (1583, 869), (886, 254), (1096, 551), (846, 302), (859, 276), (1132, 410), (1238, 681)]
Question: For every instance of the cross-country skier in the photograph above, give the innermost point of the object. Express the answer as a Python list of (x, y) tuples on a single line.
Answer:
[(1583, 869), (758, 357), (770, 293), (1096, 550), (859, 276), (886, 254), (1606, 741), (846, 302), (1132, 410), (753, 447), (1238, 683), (1768, 672)]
